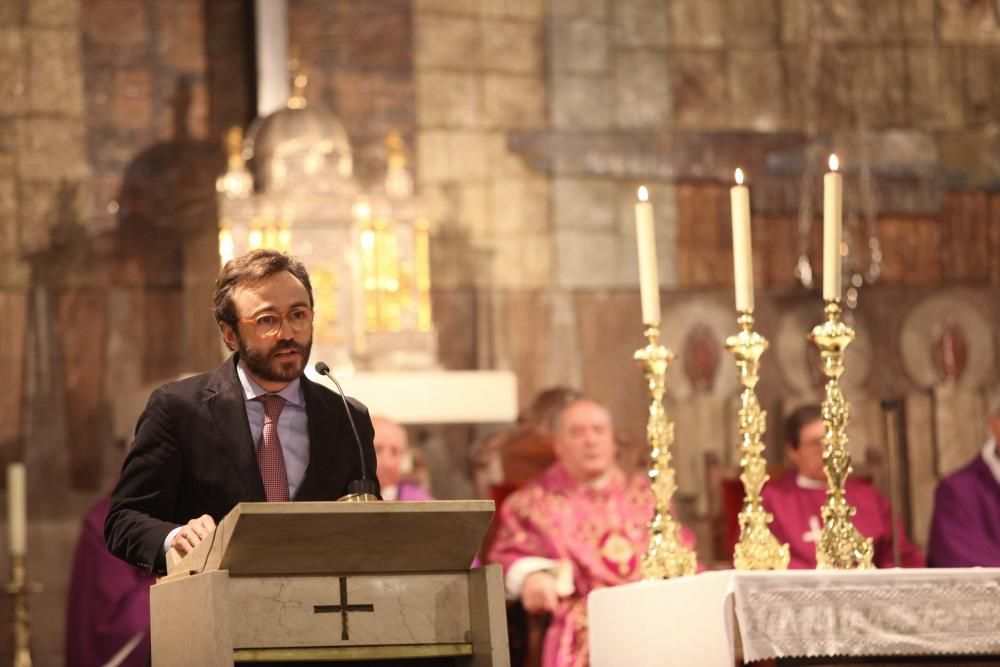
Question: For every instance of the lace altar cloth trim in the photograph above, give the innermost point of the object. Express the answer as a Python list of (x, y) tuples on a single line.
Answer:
[(882, 612)]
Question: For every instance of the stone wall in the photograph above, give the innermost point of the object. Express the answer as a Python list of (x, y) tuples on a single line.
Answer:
[(109, 118)]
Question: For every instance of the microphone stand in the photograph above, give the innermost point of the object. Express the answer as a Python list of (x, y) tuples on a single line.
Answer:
[(359, 490)]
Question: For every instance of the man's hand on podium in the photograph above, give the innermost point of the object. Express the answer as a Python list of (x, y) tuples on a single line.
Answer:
[(538, 595), (192, 533)]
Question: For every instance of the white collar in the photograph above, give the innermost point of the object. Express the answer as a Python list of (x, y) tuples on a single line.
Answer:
[(390, 492), (991, 459), (804, 482), (599, 483), (292, 392)]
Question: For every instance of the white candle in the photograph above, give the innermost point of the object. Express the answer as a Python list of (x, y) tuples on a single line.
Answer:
[(739, 197), (649, 281), (833, 187), (17, 515)]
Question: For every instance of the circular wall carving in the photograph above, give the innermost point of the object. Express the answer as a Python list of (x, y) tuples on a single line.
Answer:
[(946, 338), (704, 320)]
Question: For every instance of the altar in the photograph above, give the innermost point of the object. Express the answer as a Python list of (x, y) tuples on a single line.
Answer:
[(716, 618)]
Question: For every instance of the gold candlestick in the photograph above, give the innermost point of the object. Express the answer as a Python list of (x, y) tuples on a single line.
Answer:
[(18, 589), (757, 548), (666, 557), (840, 545)]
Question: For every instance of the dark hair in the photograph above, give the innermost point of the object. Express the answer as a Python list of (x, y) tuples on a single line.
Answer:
[(251, 269), (795, 421), (547, 406)]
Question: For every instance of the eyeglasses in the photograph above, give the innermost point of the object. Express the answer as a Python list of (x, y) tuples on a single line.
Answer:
[(269, 324)]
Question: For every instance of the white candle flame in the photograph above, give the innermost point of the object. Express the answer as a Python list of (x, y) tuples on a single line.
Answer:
[(643, 193), (834, 162), (739, 176)]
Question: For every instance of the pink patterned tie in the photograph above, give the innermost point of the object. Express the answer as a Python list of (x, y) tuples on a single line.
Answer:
[(269, 457)]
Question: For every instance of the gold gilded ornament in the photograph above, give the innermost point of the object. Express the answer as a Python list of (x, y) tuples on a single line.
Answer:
[(840, 546), (19, 588), (666, 556), (757, 548)]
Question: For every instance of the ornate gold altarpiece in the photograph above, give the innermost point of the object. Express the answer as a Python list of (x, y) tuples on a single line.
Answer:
[(290, 185)]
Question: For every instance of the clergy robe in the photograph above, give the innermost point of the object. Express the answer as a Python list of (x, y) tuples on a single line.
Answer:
[(108, 601), (600, 532), (797, 520), (412, 491), (965, 530)]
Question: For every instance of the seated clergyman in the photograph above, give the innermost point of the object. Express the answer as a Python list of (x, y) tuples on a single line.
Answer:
[(392, 450), (581, 525), (965, 530), (795, 499)]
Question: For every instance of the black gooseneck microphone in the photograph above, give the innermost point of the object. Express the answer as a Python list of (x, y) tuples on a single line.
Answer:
[(359, 490)]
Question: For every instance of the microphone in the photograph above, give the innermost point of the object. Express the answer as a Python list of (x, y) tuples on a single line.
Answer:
[(359, 490)]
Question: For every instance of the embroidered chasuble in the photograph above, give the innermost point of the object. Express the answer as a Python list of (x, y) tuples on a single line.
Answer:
[(600, 532)]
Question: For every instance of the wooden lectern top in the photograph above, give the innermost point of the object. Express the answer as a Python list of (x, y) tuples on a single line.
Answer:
[(257, 539)]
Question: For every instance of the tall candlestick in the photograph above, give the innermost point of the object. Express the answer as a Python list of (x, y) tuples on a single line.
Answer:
[(833, 187), (649, 281), (739, 196), (17, 515)]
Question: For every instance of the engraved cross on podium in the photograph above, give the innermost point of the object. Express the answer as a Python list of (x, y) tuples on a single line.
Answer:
[(343, 608)]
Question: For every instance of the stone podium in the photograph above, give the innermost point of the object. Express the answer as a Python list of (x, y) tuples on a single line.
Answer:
[(329, 581)]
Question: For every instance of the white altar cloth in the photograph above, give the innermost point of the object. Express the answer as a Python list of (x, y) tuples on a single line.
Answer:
[(712, 618)]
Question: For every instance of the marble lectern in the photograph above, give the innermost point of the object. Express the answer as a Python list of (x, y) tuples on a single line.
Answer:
[(328, 581)]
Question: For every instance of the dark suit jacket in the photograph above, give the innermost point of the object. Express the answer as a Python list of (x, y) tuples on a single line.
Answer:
[(193, 454)]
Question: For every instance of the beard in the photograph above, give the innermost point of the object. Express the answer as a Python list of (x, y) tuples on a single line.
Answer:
[(267, 365)]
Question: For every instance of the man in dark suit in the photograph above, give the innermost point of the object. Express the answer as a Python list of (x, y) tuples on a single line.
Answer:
[(254, 430)]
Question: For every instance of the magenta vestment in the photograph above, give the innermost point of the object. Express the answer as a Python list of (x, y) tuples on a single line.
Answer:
[(412, 491), (602, 532), (965, 530), (108, 601), (797, 521)]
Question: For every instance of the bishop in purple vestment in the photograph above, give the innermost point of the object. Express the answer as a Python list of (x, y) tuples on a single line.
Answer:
[(796, 498), (965, 530), (580, 526), (108, 607)]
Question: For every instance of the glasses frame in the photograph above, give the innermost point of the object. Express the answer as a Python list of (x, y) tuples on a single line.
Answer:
[(282, 318)]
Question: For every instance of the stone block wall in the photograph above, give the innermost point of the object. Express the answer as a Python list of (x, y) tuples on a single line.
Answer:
[(110, 114)]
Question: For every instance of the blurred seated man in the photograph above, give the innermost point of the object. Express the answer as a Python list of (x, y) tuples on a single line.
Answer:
[(796, 498), (579, 526), (965, 529), (506, 459), (107, 614), (392, 451)]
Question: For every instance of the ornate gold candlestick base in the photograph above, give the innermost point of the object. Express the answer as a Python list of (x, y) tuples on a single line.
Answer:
[(666, 556), (840, 545), (757, 548), (18, 589)]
